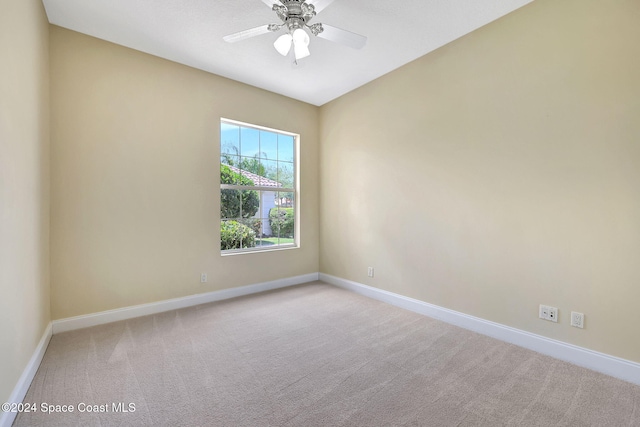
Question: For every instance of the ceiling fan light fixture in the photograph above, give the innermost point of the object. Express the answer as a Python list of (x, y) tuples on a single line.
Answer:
[(300, 50), (300, 43), (283, 44), (295, 16), (300, 36)]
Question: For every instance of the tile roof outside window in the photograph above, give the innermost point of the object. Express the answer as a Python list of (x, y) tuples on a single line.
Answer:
[(258, 180)]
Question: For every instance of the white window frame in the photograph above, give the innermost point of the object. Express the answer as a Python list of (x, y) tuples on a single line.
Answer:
[(294, 189)]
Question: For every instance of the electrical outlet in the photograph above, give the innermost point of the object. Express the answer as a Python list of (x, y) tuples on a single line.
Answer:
[(203, 278), (543, 312), (548, 313), (577, 319), (370, 272)]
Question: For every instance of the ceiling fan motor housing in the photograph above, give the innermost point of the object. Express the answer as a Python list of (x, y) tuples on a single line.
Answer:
[(296, 10), (295, 14)]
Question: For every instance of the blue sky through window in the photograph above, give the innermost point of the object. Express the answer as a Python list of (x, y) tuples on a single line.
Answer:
[(251, 142)]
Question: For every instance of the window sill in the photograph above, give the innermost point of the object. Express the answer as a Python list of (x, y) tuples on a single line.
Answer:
[(258, 251)]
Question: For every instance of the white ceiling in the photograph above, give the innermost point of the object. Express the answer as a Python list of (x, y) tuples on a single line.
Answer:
[(190, 32)]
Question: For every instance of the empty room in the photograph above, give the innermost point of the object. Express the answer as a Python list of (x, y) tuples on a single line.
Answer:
[(319, 213)]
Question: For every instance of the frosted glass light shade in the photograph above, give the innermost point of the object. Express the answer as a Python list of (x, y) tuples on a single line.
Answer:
[(283, 44), (301, 43), (300, 50), (300, 36)]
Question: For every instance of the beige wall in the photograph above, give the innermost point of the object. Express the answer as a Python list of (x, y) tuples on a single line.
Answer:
[(135, 178), (24, 186), (495, 174), (498, 173)]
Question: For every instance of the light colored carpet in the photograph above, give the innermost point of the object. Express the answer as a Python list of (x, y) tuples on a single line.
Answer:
[(314, 355)]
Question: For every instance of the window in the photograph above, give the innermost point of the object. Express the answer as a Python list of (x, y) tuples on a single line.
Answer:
[(258, 195)]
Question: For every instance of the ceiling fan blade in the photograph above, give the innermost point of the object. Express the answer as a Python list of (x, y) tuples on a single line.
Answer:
[(242, 35), (345, 37), (319, 5), (270, 3)]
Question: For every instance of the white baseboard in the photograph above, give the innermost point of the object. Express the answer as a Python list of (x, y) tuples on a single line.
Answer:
[(21, 388), (85, 321), (600, 362)]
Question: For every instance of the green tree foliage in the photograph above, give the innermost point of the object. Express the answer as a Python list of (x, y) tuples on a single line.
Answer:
[(282, 221), (234, 235), (260, 165), (229, 155), (285, 174), (253, 223), (231, 200), (253, 165)]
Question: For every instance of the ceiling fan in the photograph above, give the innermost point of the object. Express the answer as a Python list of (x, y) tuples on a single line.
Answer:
[(295, 16)]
